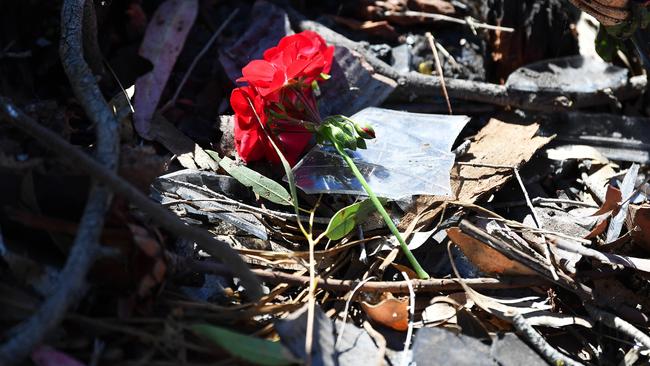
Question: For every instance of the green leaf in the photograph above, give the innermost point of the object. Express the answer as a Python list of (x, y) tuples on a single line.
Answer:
[(347, 218), (265, 187), (248, 348), (214, 155)]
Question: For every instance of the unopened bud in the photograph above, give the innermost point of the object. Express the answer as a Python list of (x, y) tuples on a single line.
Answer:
[(365, 130)]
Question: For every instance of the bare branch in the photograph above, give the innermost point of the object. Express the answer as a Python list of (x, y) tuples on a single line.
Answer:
[(82, 254)]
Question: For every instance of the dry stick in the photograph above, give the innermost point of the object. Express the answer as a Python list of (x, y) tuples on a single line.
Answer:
[(550, 354), (201, 53), (539, 200), (619, 324), (409, 331), (119, 185), (443, 86), (546, 248), (446, 18), (84, 249), (515, 169), (395, 287), (347, 307)]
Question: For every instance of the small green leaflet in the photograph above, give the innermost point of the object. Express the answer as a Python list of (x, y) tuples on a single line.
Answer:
[(252, 349), (265, 187), (347, 218)]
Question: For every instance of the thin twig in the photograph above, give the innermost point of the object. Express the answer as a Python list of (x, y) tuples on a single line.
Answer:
[(449, 57), (119, 185), (409, 331), (446, 18), (443, 86), (200, 55), (550, 354), (538, 200), (546, 247), (84, 249), (347, 306), (538, 222), (395, 287)]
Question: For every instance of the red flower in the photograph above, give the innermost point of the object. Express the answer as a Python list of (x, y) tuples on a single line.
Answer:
[(299, 58), (304, 55), (251, 141)]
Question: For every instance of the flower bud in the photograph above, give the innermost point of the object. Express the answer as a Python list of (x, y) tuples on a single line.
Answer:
[(365, 130), (340, 136)]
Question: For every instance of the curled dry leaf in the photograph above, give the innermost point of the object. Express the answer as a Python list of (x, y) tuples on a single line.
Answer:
[(638, 221), (606, 210), (162, 43), (485, 258), (389, 312)]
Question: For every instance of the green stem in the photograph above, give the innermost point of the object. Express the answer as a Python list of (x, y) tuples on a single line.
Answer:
[(373, 198)]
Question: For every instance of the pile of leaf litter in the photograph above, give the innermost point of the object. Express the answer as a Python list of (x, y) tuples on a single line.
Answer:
[(539, 254)]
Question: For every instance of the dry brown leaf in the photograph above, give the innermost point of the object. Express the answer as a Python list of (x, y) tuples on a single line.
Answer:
[(638, 222), (600, 227), (484, 257), (402, 268), (390, 312), (612, 199)]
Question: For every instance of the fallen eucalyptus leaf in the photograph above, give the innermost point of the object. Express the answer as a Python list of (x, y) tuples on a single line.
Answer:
[(265, 187), (162, 43), (255, 350)]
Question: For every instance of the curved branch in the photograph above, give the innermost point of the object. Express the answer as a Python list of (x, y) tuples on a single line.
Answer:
[(415, 84), (119, 185), (82, 254)]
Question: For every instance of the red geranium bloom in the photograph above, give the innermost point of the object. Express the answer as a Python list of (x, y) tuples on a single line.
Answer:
[(304, 55), (302, 58), (251, 142)]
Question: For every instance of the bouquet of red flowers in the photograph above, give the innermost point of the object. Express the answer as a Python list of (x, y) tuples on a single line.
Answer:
[(280, 98), (276, 114)]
